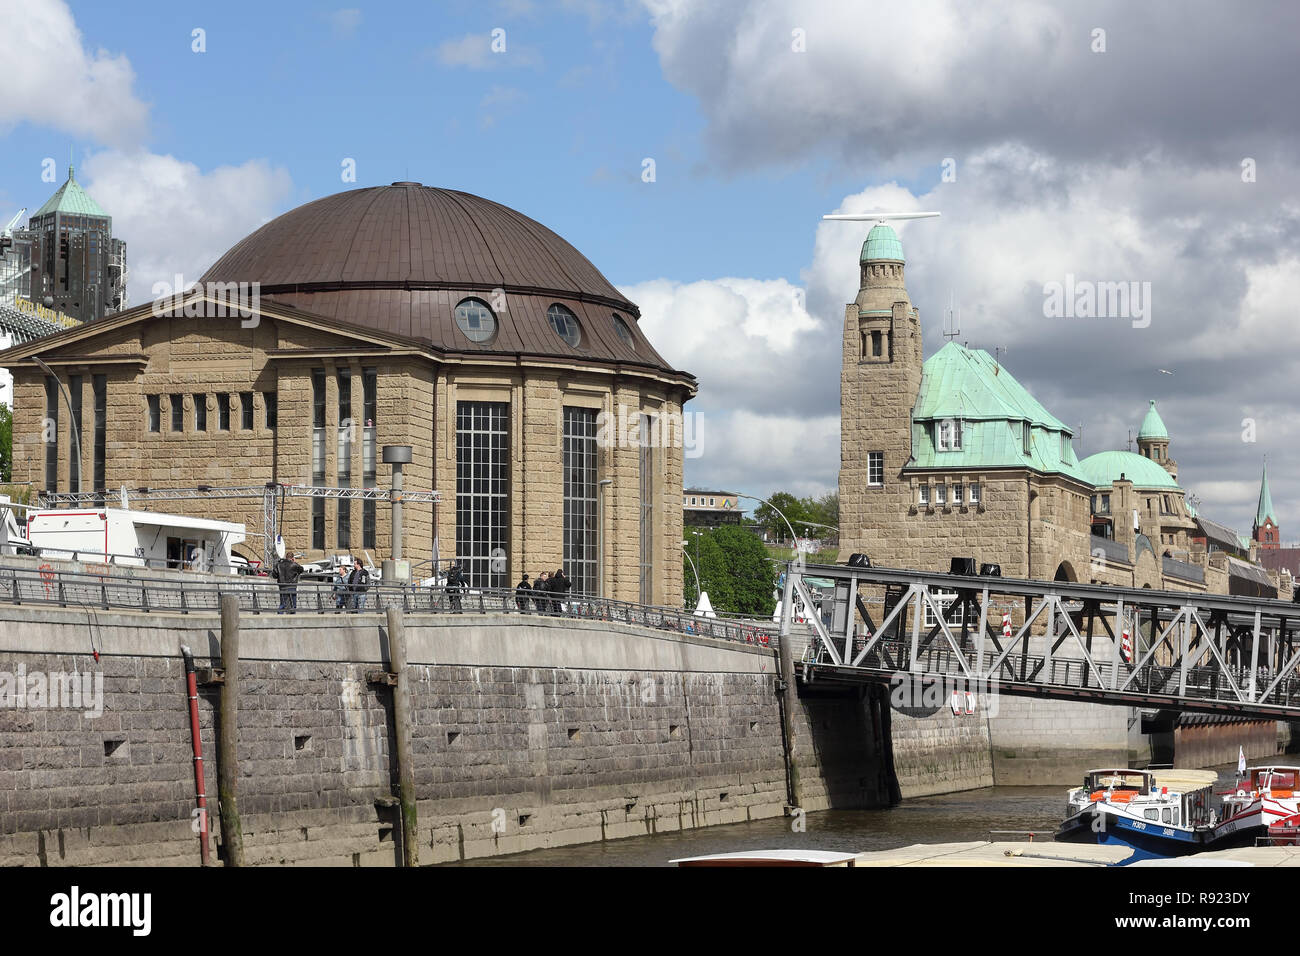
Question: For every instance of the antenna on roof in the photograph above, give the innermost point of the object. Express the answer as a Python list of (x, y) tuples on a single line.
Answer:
[(1130, 439), (997, 363), (951, 325), (1079, 436)]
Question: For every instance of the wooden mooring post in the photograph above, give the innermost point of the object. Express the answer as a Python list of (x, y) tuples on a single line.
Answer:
[(232, 834), (402, 728)]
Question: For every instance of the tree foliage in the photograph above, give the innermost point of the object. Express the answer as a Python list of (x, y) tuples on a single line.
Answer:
[(734, 569), (804, 514), (6, 442)]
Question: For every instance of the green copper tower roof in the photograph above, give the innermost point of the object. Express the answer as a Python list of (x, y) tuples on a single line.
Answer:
[(882, 243), (1265, 510), (71, 200), (1152, 426), (1106, 466), (968, 386)]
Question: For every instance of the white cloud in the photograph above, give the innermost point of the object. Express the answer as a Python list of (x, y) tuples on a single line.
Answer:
[(474, 52), (177, 218), (344, 22), (52, 80)]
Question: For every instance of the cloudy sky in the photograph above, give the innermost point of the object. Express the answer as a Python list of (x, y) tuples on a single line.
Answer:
[(1149, 143)]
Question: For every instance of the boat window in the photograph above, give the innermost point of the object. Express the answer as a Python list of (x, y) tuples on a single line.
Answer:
[(1168, 815), (1152, 814)]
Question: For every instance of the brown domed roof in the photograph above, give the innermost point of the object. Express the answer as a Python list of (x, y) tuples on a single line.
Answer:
[(399, 258)]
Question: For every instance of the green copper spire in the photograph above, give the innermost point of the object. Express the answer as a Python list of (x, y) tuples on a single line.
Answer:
[(1152, 426), (71, 200), (1265, 510)]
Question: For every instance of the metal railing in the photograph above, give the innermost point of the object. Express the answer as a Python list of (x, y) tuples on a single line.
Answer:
[(1017, 669), (107, 591)]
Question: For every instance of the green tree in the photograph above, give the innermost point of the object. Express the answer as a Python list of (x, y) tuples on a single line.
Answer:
[(770, 521), (6, 442), (734, 570)]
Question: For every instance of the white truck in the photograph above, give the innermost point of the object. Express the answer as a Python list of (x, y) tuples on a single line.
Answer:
[(124, 537)]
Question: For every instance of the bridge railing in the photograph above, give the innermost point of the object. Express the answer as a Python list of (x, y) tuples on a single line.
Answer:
[(1202, 682), (111, 591)]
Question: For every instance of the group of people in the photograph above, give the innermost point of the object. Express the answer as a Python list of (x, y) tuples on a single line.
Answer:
[(547, 592), (350, 585)]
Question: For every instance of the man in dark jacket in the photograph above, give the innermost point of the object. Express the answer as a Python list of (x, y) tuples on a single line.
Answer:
[(541, 589), (455, 584), (561, 585), (287, 573), (521, 593), (358, 581)]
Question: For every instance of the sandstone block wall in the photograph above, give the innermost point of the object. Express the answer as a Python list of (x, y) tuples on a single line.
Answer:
[(527, 735)]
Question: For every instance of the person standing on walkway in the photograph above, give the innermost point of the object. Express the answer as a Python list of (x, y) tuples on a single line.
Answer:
[(358, 581), (561, 585), (287, 573), (340, 588), (521, 593), (540, 593), (455, 584)]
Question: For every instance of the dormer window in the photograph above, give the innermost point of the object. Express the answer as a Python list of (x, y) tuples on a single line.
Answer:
[(948, 435), (1024, 437)]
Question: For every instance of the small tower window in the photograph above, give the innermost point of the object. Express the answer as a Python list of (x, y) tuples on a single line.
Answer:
[(877, 344)]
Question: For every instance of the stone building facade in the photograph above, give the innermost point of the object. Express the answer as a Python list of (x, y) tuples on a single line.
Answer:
[(398, 315), (951, 457)]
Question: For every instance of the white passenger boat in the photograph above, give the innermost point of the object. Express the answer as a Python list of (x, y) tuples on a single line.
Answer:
[(1156, 813)]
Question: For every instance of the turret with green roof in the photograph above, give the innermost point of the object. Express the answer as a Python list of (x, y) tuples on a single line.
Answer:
[(71, 200), (1266, 529), (882, 243), (1152, 426), (1153, 441)]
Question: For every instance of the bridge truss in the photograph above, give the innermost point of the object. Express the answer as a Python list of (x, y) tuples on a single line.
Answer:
[(1171, 650)]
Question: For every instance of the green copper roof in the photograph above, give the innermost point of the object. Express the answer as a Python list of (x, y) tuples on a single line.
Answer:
[(72, 200), (1152, 426), (1265, 510), (1106, 466), (967, 385), (882, 243)]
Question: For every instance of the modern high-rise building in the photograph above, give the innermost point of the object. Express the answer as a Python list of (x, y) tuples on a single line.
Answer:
[(77, 267)]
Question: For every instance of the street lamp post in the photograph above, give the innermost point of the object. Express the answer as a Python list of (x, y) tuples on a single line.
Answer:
[(72, 419), (687, 556), (600, 536), (793, 537), (397, 456)]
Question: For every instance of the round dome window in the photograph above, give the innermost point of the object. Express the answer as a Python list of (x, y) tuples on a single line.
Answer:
[(624, 333), (565, 324), (475, 319)]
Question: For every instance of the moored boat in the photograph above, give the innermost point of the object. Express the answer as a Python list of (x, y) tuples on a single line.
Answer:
[(1156, 813), (1285, 832), (1263, 797)]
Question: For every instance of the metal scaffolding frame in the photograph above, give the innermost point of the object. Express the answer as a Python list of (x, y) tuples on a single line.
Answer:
[(1125, 646), (270, 493)]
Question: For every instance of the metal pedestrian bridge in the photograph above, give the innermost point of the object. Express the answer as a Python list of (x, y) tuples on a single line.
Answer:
[(1170, 650)]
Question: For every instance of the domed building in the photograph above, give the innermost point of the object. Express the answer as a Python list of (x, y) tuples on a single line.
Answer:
[(391, 315)]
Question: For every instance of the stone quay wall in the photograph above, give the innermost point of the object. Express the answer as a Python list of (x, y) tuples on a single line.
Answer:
[(526, 735)]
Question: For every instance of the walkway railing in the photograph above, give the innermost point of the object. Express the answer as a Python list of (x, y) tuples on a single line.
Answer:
[(110, 591)]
